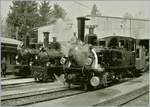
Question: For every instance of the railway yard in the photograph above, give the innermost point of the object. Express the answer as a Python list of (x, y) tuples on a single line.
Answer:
[(26, 92), (58, 58)]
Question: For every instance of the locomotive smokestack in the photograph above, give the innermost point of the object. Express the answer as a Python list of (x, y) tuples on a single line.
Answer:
[(46, 39), (54, 39), (81, 27), (26, 40), (91, 31)]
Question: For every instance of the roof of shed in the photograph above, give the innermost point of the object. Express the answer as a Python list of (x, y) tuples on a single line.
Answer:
[(9, 41)]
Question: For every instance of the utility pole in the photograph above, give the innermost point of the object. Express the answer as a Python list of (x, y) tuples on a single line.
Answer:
[(17, 31), (130, 27)]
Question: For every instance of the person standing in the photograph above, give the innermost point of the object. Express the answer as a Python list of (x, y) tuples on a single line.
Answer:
[(3, 67)]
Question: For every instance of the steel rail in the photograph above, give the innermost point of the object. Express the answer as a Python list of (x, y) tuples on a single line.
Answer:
[(146, 92), (39, 96), (16, 85)]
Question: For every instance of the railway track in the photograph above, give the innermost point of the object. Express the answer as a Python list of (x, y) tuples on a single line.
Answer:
[(16, 85), (39, 96), (138, 96), (10, 78), (51, 94), (126, 98)]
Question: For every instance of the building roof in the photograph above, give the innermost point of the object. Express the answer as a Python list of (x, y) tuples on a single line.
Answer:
[(138, 19), (124, 37), (9, 41)]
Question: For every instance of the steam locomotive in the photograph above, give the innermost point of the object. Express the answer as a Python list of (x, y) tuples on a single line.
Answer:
[(94, 63), (47, 62), (24, 58)]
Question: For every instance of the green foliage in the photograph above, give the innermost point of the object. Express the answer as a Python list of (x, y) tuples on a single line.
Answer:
[(58, 12), (23, 15), (95, 11), (50, 14), (45, 10), (55, 45)]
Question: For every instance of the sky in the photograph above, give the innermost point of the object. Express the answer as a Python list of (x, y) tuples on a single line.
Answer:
[(107, 8)]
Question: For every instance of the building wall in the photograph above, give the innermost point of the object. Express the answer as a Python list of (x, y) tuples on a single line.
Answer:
[(9, 51), (106, 26), (117, 26), (62, 30)]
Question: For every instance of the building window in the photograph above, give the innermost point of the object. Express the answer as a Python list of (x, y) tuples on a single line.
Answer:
[(121, 43), (132, 45), (102, 43)]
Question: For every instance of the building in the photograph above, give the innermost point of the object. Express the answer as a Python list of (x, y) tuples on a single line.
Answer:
[(9, 50), (62, 30), (119, 26)]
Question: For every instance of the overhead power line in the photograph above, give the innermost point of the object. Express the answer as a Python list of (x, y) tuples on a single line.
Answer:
[(81, 4)]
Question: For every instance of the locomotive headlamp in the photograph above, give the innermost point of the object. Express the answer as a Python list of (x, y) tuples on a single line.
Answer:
[(17, 56), (95, 81), (62, 60), (89, 61), (40, 48)]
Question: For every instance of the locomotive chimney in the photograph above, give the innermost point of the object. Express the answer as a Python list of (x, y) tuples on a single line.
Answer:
[(81, 27), (91, 38), (91, 31), (46, 39), (26, 40), (54, 39)]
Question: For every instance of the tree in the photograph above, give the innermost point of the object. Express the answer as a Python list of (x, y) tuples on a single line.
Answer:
[(95, 11), (45, 11), (50, 14), (58, 12), (3, 27), (22, 18)]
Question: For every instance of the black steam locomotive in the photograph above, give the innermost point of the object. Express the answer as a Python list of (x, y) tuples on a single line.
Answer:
[(47, 62), (95, 63), (24, 58)]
